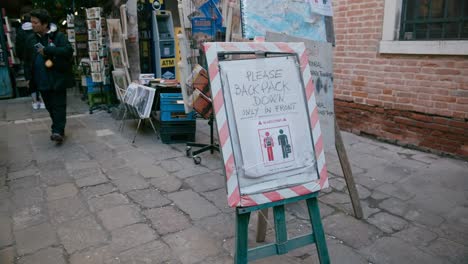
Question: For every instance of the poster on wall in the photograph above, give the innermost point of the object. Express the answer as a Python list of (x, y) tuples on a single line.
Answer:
[(291, 17), (321, 68)]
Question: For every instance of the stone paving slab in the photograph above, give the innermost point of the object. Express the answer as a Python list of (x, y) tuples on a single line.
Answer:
[(98, 199), (31, 239)]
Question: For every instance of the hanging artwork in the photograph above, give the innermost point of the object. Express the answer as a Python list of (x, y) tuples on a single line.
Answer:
[(71, 35), (96, 76), (115, 32), (120, 83), (93, 45), (117, 57)]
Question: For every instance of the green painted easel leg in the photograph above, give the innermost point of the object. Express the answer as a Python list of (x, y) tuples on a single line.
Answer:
[(317, 228), (281, 230), (242, 237)]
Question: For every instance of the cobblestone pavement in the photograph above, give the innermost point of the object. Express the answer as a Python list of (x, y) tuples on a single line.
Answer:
[(100, 199)]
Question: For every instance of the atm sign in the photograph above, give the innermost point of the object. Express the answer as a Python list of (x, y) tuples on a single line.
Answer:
[(167, 63)]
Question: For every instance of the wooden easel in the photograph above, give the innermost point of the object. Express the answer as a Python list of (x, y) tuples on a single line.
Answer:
[(283, 245), (348, 175)]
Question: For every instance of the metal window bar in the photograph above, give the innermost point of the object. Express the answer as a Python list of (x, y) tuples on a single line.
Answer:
[(412, 20)]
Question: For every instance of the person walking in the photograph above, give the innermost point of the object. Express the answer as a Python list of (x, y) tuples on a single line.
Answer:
[(25, 32), (50, 67)]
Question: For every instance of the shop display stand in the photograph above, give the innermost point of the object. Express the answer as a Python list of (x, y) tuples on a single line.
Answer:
[(98, 60), (203, 147), (132, 111)]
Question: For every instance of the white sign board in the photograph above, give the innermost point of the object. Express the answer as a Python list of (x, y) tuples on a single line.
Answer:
[(267, 120), (270, 116), (321, 68)]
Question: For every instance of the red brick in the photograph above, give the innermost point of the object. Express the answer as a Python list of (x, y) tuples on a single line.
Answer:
[(420, 117), (359, 94), (447, 72), (460, 124), (443, 98)]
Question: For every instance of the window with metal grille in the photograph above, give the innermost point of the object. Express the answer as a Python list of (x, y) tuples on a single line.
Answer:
[(434, 20)]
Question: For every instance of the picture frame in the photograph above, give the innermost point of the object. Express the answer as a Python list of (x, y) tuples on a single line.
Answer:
[(94, 56), (93, 34), (117, 58), (71, 35), (96, 77), (114, 31), (93, 24), (95, 66), (123, 19), (93, 45), (130, 93), (120, 83), (144, 101), (92, 13), (70, 20)]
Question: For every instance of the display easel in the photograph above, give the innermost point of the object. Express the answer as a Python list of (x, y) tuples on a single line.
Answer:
[(203, 147), (130, 109), (282, 245)]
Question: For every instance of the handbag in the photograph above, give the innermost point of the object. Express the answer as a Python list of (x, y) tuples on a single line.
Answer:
[(288, 148)]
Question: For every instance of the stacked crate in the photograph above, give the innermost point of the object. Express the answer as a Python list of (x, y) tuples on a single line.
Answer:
[(175, 126)]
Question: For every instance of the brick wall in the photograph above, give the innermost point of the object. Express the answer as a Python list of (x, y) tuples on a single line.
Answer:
[(409, 99)]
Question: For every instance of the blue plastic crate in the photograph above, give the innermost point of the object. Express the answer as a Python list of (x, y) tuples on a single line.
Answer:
[(177, 116), (97, 89), (171, 102)]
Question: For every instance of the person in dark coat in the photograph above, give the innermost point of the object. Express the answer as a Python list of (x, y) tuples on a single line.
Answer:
[(50, 66)]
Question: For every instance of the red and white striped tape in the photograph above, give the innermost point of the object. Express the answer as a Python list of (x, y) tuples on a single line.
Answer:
[(235, 199)]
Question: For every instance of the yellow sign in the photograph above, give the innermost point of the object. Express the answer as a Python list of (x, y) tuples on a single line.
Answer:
[(167, 63), (160, 1)]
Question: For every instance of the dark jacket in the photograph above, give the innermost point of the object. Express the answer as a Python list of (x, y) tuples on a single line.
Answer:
[(58, 49)]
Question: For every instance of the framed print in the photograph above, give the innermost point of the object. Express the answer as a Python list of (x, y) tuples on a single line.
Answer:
[(120, 83), (93, 34), (93, 24), (96, 76), (70, 20), (95, 66), (71, 35), (117, 58), (94, 56), (93, 13), (130, 94), (123, 18), (270, 135), (93, 45), (114, 31), (144, 101)]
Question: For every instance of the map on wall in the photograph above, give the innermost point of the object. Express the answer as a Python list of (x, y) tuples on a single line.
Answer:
[(292, 17)]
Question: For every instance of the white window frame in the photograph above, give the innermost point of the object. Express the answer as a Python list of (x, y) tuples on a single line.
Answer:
[(390, 43)]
